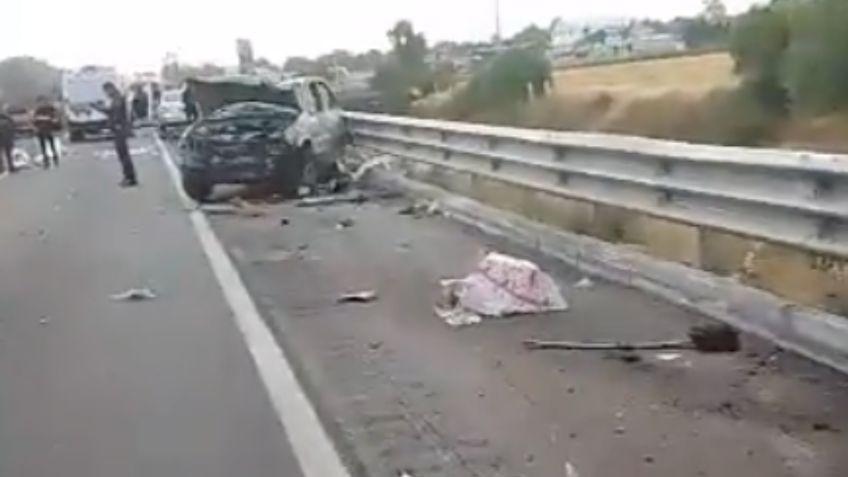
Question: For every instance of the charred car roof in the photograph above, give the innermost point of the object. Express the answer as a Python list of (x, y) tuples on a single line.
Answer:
[(216, 92)]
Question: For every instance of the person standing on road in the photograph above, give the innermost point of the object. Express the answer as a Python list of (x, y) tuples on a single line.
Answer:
[(7, 141), (189, 105), (46, 121), (140, 103), (120, 125), (156, 97)]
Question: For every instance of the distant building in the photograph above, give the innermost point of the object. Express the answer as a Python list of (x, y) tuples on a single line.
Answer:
[(608, 38)]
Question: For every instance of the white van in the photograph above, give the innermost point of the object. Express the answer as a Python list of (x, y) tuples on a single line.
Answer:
[(81, 89)]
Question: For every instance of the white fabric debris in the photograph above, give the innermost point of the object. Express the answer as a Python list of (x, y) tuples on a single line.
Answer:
[(503, 285)]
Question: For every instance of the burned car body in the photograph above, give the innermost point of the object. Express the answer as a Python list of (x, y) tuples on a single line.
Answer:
[(251, 131)]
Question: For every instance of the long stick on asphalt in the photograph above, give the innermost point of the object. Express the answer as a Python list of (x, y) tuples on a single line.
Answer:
[(572, 345)]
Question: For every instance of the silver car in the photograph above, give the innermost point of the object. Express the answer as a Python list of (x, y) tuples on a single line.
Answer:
[(252, 131)]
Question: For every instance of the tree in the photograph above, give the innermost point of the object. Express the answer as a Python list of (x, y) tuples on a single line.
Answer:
[(715, 12), (302, 66), (700, 32), (758, 45), (405, 74), (176, 73), (533, 37), (816, 62), (409, 47), (23, 79), (506, 79)]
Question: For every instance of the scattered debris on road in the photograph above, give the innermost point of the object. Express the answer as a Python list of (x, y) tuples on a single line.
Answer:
[(369, 165), (667, 357), (275, 256), (135, 294), (570, 470), (500, 286), (284, 221), (626, 357), (458, 317), (236, 206), (421, 209), (364, 296), (345, 223), (824, 427), (713, 338), (44, 321), (584, 283), (348, 198)]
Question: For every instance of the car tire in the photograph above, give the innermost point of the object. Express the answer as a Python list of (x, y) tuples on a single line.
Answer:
[(197, 187)]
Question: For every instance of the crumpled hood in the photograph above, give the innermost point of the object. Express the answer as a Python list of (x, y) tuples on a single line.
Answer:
[(213, 93)]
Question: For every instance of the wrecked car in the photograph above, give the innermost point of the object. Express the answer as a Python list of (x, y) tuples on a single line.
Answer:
[(288, 134)]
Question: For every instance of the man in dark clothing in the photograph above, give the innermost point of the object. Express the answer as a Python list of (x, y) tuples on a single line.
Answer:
[(7, 141), (46, 121), (140, 103), (156, 98), (120, 125), (189, 105)]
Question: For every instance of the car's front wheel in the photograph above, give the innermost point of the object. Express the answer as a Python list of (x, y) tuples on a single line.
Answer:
[(197, 186)]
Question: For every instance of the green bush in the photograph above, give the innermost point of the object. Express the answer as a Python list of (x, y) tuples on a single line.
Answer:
[(816, 69), (505, 81), (758, 44), (794, 54)]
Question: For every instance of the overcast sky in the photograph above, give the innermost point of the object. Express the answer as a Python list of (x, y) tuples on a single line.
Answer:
[(135, 35)]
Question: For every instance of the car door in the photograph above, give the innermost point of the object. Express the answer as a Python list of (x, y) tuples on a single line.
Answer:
[(322, 140), (331, 118)]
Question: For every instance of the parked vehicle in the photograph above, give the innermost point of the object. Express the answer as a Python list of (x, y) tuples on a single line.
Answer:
[(80, 90), (170, 115), (290, 133)]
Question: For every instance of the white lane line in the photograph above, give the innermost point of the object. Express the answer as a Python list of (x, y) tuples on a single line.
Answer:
[(309, 440)]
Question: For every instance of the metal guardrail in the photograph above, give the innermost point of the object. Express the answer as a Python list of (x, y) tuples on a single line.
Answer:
[(794, 198)]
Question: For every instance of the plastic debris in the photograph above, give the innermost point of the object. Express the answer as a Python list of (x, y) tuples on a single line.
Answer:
[(458, 317), (351, 198), (365, 296), (584, 283), (503, 285), (345, 223), (570, 471), (135, 294), (668, 356)]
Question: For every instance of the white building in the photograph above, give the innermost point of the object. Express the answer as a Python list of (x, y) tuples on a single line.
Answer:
[(608, 38)]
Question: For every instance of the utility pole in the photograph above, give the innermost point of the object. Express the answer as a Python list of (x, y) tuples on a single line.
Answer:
[(498, 22)]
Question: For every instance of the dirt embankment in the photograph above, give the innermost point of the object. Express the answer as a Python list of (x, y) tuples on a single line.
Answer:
[(686, 98)]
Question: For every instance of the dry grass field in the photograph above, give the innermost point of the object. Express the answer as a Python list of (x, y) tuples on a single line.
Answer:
[(689, 98), (694, 74)]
